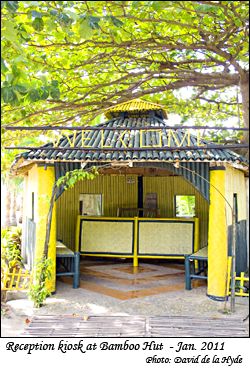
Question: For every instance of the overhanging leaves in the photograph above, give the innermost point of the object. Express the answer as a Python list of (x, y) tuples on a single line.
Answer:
[(102, 53), (12, 6), (38, 24)]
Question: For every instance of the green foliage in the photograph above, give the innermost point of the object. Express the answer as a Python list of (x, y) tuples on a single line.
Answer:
[(38, 24), (11, 247), (38, 291), (9, 95), (70, 178), (10, 253), (49, 38), (225, 136), (100, 53), (12, 6), (185, 205)]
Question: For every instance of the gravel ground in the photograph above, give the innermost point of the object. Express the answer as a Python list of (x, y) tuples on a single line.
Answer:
[(18, 310)]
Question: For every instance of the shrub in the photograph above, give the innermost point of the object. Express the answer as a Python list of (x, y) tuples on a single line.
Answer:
[(38, 290), (10, 253), (11, 247)]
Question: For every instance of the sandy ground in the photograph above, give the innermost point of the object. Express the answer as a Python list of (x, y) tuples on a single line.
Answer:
[(18, 310)]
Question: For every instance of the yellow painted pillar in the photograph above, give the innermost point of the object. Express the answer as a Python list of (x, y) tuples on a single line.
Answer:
[(45, 182), (196, 239), (196, 234), (25, 215), (135, 257), (217, 236), (77, 244)]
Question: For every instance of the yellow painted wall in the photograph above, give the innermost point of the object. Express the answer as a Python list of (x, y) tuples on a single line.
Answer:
[(217, 236), (30, 185), (247, 203), (227, 182), (117, 192), (25, 212), (235, 183), (40, 181), (46, 180)]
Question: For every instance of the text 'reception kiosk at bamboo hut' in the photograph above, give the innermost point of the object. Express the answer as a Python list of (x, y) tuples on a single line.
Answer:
[(150, 200)]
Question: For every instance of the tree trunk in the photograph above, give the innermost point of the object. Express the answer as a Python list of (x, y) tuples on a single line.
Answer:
[(244, 88), (47, 234), (49, 220)]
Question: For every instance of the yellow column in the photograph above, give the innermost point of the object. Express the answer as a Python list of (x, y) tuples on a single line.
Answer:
[(25, 213), (46, 180), (196, 239), (217, 236), (196, 235), (135, 258), (77, 244)]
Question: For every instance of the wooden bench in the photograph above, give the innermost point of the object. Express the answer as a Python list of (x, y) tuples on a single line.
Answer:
[(190, 270), (68, 263)]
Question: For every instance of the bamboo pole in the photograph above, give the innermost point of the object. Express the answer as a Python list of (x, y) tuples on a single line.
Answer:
[(232, 303)]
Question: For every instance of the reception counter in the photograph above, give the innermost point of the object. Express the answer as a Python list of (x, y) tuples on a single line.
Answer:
[(169, 238)]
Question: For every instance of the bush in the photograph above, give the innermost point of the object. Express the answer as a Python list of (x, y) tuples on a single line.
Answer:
[(11, 247), (38, 290), (10, 253)]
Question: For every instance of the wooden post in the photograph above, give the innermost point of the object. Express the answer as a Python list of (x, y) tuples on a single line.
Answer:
[(76, 265), (187, 273)]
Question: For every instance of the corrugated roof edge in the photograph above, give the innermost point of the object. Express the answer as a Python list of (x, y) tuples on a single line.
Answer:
[(230, 156)]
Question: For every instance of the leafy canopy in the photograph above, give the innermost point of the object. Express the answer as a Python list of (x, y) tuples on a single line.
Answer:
[(65, 62)]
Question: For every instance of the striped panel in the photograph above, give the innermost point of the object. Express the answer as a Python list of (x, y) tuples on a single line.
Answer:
[(166, 188), (116, 192)]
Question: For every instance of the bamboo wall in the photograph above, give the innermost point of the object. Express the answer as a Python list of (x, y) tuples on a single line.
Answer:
[(117, 192), (166, 189)]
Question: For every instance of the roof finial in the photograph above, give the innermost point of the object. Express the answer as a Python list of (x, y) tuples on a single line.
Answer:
[(135, 105)]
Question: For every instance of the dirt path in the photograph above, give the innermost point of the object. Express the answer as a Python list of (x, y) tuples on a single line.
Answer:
[(81, 303)]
